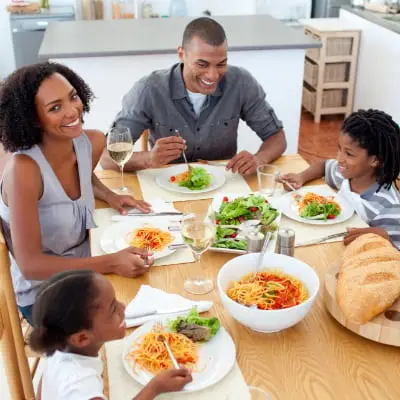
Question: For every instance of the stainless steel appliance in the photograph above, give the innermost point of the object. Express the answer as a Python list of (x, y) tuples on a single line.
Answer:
[(328, 8), (28, 31)]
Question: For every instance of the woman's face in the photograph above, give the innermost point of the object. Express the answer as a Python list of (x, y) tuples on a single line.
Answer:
[(59, 108)]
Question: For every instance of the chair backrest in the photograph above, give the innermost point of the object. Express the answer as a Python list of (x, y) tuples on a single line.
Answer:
[(9, 312), (144, 141)]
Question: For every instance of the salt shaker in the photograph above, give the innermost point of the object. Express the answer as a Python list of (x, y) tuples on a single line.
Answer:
[(285, 242), (255, 242)]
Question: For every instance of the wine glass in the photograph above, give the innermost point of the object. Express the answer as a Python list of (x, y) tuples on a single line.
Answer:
[(120, 149), (198, 232)]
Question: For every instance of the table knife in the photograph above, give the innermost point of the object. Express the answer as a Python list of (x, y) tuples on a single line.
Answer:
[(323, 239), (152, 214), (157, 312)]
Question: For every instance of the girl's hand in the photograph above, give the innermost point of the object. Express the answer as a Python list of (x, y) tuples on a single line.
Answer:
[(132, 262), (119, 202), (172, 380), (295, 180), (354, 233)]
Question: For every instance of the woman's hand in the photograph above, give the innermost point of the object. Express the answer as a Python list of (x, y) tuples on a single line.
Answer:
[(296, 180), (132, 262), (172, 380), (354, 233), (119, 202)]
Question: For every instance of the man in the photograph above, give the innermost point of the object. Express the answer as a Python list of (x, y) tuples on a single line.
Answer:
[(196, 105)]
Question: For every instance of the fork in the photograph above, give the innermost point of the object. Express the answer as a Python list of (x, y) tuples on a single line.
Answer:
[(183, 152), (147, 249), (158, 328)]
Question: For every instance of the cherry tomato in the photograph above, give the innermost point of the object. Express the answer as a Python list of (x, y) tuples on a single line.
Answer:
[(233, 235), (253, 209), (241, 219), (172, 179), (331, 216), (217, 221), (225, 199), (266, 201)]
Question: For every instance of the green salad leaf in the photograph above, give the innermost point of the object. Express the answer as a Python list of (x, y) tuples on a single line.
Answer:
[(198, 179), (230, 244), (193, 318), (327, 210)]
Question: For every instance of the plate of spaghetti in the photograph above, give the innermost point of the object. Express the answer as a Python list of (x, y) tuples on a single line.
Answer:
[(144, 234), (144, 356), (198, 180), (316, 205), (268, 290)]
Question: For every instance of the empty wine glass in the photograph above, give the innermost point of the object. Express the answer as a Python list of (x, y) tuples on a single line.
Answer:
[(198, 232), (120, 149)]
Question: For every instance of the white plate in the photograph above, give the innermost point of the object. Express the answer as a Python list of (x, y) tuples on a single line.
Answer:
[(217, 179), (216, 359), (113, 238), (215, 205), (288, 206)]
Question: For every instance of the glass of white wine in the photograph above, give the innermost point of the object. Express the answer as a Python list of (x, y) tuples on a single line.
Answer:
[(198, 232), (120, 149)]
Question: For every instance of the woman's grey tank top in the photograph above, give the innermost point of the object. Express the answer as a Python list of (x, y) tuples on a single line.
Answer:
[(63, 222)]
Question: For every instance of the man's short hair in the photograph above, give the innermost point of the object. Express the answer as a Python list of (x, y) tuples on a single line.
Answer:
[(207, 29)]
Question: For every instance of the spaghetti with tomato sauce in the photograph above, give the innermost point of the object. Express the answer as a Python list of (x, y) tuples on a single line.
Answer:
[(268, 290)]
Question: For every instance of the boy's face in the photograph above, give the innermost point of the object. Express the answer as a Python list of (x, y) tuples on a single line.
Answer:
[(354, 161)]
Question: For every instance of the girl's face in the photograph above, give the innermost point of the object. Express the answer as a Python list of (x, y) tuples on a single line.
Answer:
[(107, 312), (59, 108), (354, 161)]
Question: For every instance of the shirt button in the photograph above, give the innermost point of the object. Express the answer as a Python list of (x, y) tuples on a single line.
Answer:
[(197, 129), (198, 148)]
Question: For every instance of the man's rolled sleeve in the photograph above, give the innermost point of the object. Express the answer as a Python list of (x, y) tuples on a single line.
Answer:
[(256, 111), (135, 113)]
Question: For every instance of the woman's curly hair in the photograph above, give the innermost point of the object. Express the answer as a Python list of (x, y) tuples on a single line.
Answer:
[(19, 123)]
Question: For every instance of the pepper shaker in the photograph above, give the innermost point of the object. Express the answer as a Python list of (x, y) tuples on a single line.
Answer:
[(286, 241), (255, 242)]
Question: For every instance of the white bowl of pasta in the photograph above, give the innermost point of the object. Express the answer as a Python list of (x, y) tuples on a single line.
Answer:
[(279, 297)]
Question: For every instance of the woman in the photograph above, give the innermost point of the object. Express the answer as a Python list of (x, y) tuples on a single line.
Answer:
[(48, 185)]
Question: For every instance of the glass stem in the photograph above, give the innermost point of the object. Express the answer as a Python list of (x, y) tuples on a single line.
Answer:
[(122, 176)]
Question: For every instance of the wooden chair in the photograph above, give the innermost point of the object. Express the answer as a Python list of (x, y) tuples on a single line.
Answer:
[(144, 141), (19, 374)]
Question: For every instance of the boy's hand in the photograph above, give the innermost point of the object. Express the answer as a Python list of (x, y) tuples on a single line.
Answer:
[(295, 180), (354, 233), (172, 380)]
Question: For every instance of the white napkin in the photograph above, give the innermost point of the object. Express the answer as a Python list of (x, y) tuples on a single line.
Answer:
[(157, 205), (149, 298)]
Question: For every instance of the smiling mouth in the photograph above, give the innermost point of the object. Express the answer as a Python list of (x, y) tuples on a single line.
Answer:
[(73, 123), (207, 83)]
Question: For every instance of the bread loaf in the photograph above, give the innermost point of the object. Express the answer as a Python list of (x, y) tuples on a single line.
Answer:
[(369, 280)]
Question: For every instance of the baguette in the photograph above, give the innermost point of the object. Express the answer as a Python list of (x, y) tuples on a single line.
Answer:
[(371, 257), (363, 293)]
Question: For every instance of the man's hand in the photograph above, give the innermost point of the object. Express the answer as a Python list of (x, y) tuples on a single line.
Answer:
[(244, 163), (119, 202), (166, 150), (354, 233)]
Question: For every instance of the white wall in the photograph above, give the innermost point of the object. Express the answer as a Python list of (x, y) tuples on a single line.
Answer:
[(377, 82), (7, 63)]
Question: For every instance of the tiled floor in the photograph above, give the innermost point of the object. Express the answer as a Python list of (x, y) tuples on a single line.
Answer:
[(316, 142)]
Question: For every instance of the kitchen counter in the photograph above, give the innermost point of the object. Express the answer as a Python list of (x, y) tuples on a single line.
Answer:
[(162, 36), (376, 18)]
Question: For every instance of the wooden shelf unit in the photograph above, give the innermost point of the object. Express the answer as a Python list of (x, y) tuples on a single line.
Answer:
[(330, 71)]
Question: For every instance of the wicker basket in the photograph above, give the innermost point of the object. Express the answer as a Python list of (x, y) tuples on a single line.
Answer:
[(335, 46), (330, 98), (335, 72)]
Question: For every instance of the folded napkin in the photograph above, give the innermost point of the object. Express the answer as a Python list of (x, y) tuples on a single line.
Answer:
[(149, 298)]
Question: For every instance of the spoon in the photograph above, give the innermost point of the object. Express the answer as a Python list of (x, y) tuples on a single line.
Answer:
[(261, 257)]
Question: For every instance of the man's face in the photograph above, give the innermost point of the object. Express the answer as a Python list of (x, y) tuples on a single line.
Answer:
[(204, 65)]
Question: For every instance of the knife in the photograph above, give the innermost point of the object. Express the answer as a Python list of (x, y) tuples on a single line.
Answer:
[(323, 239), (157, 312), (214, 163), (152, 214)]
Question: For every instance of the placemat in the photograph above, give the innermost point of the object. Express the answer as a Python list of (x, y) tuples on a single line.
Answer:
[(235, 183), (103, 220), (122, 386)]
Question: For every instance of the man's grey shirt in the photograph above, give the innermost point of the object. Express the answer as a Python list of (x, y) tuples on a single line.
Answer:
[(159, 102)]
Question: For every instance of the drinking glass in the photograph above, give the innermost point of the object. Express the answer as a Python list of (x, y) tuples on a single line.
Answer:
[(120, 149), (267, 176), (198, 232), (258, 394)]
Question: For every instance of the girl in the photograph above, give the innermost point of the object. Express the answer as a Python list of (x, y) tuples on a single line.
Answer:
[(71, 333), (48, 185), (365, 172)]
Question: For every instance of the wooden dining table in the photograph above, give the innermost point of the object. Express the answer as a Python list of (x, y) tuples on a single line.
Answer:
[(316, 359)]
